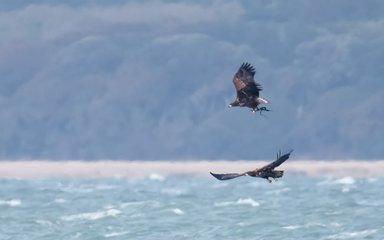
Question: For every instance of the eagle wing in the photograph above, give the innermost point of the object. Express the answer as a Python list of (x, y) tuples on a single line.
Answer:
[(279, 160), (245, 83), (227, 176)]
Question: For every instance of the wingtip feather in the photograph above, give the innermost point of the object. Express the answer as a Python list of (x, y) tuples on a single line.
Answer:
[(248, 67)]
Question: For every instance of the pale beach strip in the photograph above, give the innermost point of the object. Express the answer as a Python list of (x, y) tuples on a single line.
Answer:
[(144, 169)]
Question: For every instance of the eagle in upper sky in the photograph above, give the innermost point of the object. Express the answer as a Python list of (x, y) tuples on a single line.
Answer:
[(248, 90), (265, 172)]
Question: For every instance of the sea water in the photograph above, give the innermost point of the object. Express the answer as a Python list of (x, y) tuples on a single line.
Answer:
[(186, 207)]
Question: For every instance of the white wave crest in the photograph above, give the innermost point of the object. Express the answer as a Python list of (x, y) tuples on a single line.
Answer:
[(177, 211), (80, 189), (59, 200), (11, 203), (44, 222), (292, 227), (241, 201), (156, 177), (345, 181), (105, 187), (92, 215), (115, 234), (339, 181), (353, 235)]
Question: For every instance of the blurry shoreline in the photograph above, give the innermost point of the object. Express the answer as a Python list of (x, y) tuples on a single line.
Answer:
[(145, 169)]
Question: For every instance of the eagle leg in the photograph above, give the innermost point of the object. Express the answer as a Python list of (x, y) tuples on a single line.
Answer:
[(263, 109)]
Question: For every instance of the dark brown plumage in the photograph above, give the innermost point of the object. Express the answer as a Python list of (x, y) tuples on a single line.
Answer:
[(247, 89), (266, 171)]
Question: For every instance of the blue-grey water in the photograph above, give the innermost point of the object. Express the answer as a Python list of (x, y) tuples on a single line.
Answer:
[(297, 207)]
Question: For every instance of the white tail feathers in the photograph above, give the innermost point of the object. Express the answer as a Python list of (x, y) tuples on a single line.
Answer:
[(262, 100)]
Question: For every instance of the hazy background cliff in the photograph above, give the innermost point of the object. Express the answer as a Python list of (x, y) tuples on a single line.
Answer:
[(152, 79)]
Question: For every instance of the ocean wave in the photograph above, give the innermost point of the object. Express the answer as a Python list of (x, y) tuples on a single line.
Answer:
[(152, 203), (371, 203), (92, 215), (109, 206), (173, 191), (128, 204), (312, 224), (333, 213), (292, 227), (241, 201), (87, 188), (371, 180), (45, 223), (258, 183), (59, 200), (156, 177), (105, 187), (115, 234), (279, 191), (11, 203), (345, 189), (345, 181), (338, 181), (355, 235), (177, 211), (244, 224), (220, 185), (80, 189)]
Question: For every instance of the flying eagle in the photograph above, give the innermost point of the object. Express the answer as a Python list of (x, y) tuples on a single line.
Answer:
[(247, 89), (265, 172)]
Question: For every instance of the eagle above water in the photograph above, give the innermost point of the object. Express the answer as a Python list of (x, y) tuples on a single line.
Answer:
[(266, 171), (247, 89)]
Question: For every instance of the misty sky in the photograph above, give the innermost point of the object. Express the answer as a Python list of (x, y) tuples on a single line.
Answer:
[(114, 79)]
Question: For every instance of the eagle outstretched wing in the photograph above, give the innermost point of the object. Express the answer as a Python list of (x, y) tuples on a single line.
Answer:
[(227, 176), (279, 160), (245, 83)]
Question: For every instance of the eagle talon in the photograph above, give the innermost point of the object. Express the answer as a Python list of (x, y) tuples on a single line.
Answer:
[(264, 109)]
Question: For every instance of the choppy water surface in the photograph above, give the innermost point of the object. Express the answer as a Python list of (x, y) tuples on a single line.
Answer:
[(297, 207)]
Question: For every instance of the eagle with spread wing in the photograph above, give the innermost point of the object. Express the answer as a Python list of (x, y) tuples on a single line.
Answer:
[(248, 90), (268, 171)]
